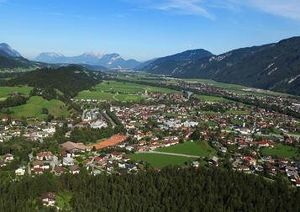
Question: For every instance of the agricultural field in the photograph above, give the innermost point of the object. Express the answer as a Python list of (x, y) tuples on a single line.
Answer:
[(283, 151), (160, 160), (34, 106), (199, 148), (120, 91), (6, 91)]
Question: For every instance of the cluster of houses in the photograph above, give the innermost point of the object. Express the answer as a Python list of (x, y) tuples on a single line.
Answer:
[(250, 130), (48, 199), (75, 156), (240, 133), (94, 118), (35, 132), (282, 102)]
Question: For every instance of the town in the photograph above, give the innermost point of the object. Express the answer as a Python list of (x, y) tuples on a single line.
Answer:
[(183, 127)]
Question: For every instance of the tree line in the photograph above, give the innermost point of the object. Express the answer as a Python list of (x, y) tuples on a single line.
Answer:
[(171, 189)]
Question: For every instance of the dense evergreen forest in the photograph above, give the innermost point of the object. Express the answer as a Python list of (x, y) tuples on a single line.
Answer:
[(171, 189), (12, 62), (69, 80)]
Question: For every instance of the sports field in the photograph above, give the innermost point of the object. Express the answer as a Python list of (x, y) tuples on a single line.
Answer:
[(112, 141), (34, 106), (197, 148)]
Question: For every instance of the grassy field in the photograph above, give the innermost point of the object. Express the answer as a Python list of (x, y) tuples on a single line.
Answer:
[(6, 91), (33, 108), (120, 91), (206, 98), (106, 96), (160, 161), (281, 150), (217, 84), (202, 149)]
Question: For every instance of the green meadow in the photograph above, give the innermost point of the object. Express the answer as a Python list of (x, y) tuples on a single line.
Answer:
[(207, 98), (120, 91), (196, 148), (33, 108), (282, 151), (160, 161), (6, 91)]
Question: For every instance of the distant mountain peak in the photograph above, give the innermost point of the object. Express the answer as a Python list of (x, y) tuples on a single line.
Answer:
[(172, 63), (93, 54), (6, 50), (113, 61), (51, 54)]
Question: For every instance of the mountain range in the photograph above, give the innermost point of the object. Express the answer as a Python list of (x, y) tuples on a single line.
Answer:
[(273, 66), (10, 58), (110, 61), (6, 50)]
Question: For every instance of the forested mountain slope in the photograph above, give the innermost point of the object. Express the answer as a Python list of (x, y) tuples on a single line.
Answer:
[(273, 66), (69, 80)]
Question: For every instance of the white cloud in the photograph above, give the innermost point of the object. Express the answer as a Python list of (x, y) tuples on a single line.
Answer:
[(181, 7), (187, 7), (285, 8)]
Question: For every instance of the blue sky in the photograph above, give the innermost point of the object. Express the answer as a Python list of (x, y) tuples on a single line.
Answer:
[(144, 29)]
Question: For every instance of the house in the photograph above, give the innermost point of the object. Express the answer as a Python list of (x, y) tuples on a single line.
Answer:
[(100, 160), (44, 156), (214, 161), (38, 171), (72, 147), (8, 157), (243, 168), (297, 183), (244, 131), (98, 124), (131, 167), (20, 171), (58, 170), (122, 165), (249, 160), (37, 164), (116, 155), (195, 164), (68, 161), (5, 119), (74, 169), (265, 143), (48, 199)]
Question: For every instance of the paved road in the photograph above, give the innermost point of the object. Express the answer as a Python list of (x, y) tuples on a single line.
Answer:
[(168, 153)]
